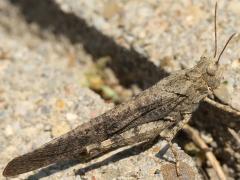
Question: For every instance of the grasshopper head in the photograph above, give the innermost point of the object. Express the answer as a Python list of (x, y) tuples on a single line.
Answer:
[(210, 69)]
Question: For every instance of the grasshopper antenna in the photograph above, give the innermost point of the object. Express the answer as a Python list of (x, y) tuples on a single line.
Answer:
[(230, 38), (215, 30)]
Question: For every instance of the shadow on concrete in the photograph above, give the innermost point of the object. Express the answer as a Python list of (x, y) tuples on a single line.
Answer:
[(129, 66)]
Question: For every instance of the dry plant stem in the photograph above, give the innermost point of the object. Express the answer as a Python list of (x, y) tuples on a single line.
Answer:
[(222, 106), (194, 135), (235, 135)]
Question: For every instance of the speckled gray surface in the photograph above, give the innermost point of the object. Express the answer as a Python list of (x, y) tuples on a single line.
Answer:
[(43, 95)]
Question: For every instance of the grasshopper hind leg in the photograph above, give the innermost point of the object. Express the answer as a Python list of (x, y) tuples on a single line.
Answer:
[(168, 136), (175, 154)]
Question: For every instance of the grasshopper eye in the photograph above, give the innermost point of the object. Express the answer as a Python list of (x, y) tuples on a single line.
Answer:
[(212, 70)]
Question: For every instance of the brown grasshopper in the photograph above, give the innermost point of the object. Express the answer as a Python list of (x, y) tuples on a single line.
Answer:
[(160, 111)]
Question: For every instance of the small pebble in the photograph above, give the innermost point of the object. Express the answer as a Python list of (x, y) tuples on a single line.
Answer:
[(8, 130), (71, 116)]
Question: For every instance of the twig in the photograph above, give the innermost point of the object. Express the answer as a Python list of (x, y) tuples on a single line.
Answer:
[(194, 135), (222, 106), (235, 135)]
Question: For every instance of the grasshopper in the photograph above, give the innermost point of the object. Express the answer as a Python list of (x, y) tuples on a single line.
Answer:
[(160, 111)]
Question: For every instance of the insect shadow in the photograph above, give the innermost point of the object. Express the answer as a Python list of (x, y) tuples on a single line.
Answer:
[(129, 66)]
